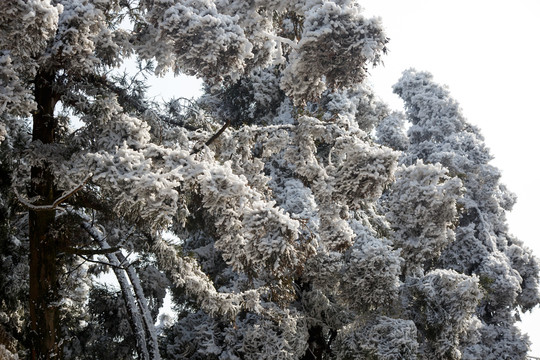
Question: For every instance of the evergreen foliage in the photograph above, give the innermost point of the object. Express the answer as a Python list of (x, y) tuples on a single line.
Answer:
[(287, 211)]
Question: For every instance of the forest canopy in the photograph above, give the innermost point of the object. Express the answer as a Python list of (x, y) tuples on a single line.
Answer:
[(288, 212)]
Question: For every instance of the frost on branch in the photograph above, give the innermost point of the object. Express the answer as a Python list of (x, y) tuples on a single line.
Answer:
[(26, 26), (252, 234), (358, 106), (370, 274), (497, 343), (528, 268), (14, 97), (382, 338), (79, 26), (483, 246), (421, 208), (294, 233), (391, 132), (285, 339), (256, 19), (192, 37), (186, 273), (301, 155), (198, 336), (362, 171), (335, 48), (442, 304), (272, 239), (502, 284), (433, 113)]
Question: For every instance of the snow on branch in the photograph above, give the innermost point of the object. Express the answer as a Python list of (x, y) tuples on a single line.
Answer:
[(143, 305), (186, 273), (140, 314), (280, 39), (131, 307), (56, 203)]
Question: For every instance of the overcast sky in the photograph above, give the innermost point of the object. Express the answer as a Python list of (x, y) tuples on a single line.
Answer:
[(488, 53)]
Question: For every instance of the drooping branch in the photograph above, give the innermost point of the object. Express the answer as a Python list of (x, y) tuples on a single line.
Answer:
[(186, 273)]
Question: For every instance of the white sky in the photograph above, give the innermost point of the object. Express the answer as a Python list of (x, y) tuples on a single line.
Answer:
[(488, 53)]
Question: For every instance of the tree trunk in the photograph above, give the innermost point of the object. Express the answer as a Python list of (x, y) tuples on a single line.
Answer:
[(316, 344), (143, 306), (44, 244), (136, 321), (135, 318)]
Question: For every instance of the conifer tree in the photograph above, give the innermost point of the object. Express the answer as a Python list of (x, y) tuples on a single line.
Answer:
[(283, 228), (483, 247)]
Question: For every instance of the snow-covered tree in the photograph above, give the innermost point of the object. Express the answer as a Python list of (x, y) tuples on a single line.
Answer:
[(483, 247), (281, 225)]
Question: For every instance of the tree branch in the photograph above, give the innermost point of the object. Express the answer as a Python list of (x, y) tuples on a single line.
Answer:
[(76, 251), (141, 317), (145, 311), (281, 39), (213, 138), (112, 265), (55, 204)]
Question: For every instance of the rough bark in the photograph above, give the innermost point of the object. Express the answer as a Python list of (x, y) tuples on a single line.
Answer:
[(44, 244)]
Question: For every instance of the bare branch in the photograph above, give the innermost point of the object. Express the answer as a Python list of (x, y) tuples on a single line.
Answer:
[(69, 272), (213, 138), (77, 251), (113, 266)]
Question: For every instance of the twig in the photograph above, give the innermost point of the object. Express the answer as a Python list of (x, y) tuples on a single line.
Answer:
[(104, 263), (122, 262), (67, 273), (106, 250), (213, 138), (55, 204), (76, 251)]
